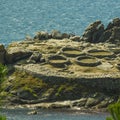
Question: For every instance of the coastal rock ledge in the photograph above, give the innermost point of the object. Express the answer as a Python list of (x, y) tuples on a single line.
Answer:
[(59, 70)]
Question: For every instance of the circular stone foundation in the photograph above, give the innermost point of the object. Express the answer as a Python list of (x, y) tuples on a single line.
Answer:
[(87, 61), (115, 50), (100, 53), (58, 61), (71, 52)]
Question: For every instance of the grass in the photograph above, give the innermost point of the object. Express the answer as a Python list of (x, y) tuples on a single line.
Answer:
[(25, 82), (114, 110), (51, 89), (3, 71), (39, 88), (65, 88), (23, 79), (3, 95), (2, 117)]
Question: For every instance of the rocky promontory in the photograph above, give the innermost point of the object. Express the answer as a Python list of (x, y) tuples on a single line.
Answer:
[(60, 70)]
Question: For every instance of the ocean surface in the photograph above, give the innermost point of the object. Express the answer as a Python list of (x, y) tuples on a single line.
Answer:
[(19, 18), (21, 114)]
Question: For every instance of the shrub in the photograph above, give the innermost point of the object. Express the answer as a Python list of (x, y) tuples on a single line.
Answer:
[(3, 71), (114, 110), (2, 117)]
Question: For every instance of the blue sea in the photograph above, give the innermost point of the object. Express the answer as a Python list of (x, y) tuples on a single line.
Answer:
[(22, 114), (19, 18)]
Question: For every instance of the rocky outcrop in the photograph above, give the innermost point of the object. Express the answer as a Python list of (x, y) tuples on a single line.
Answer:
[(112, 32), (2, 54), (15, 54), (42, 35), (114, 23), (55, 34), (58, 35), (93, 32), (26, 94)]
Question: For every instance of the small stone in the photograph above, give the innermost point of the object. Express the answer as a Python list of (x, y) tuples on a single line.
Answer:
[(35, 57), (56, 34), (42, 35), (75, 38), (33, 112), (91, 102)]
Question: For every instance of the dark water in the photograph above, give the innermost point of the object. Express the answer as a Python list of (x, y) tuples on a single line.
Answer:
[(19, 18), (21, 114)]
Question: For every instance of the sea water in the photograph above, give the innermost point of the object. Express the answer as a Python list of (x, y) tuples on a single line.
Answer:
[(22, 114), (19, 18)]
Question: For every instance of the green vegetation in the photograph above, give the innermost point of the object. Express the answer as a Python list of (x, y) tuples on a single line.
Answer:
[(3, 71), (114, 110), (24, 80), (65, 88), (2, 117)]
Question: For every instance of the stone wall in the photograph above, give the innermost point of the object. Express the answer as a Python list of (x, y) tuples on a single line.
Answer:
[(102, 84)]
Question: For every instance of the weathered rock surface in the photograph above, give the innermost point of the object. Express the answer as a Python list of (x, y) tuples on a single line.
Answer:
[(2, 54), (42, 35), (26, 95), (32, 112), (111, 35), (75, 38), (96, 32), (114, 23), (93, 32), (35, 57), (55, 34), (16, 53), (112, 32)]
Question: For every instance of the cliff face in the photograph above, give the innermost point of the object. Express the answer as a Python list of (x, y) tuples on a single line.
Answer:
[(23, 89), (59, 66)]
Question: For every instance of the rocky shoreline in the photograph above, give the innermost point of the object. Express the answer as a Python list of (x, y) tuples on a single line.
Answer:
[(59, 70), (56, 106)]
